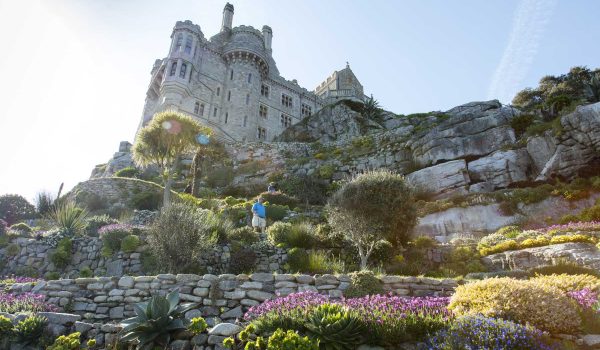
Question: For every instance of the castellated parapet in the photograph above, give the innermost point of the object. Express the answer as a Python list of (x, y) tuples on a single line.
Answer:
[(231, 83)]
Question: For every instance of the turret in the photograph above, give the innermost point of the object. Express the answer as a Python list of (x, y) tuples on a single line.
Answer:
[(227, 17), (268, 37)]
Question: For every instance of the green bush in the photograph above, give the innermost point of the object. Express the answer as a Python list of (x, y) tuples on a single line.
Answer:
[(94, 223), (182, 234), (292, 235), (130, 172), (335, 327), (277, 233), (563, 267), (280, 198), (67, 342), (279, 340), (61, 258), (51, 276), (86, 272), (424, 242), (13, 249), (243, 235), (276, 212), (382, 252), (363, 283), (521, 123), (113, 235), (146, 200), (298, 260), (220, 176), (21, 227), (150, 264), (242, 261), (308, 189), (15, 208), (320, 262), (130, 243), (29, 331)]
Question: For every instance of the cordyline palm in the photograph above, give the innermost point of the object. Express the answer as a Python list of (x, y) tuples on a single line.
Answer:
[(167, 137)]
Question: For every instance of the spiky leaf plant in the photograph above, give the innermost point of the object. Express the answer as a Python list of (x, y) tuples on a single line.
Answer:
[(156, 320), (335, 327), (69, 216)]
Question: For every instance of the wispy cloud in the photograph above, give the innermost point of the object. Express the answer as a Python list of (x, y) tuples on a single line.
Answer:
[(529, 23)]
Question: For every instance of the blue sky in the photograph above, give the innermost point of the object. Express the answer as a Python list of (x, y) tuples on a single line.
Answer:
[(75, 72)]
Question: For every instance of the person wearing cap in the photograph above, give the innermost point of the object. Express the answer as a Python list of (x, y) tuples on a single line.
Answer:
[(259, 212)]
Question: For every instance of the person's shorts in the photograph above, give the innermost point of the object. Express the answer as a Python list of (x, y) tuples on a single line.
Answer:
[(257, 221)]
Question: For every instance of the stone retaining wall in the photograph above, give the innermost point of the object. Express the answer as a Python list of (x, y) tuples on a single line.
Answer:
[(222, 298), (34, 256)]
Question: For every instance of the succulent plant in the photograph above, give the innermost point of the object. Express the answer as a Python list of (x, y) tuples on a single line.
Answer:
[(335, 326), (156, 320), (30, 330)]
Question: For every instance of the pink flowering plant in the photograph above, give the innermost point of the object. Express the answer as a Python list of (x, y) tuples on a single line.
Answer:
[(386, 319), (590, 226), (24, 303), (589, 304)]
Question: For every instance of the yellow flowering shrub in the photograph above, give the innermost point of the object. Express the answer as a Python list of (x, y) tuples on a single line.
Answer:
[(524, 301), (499, 248), (535, 242), (571, 239), (567, 283)]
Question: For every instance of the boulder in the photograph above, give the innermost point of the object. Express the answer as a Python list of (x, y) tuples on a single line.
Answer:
[(502, 168), (442, 178), (225, 329)]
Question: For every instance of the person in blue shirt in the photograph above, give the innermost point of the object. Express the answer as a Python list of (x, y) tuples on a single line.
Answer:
[(259, 215)]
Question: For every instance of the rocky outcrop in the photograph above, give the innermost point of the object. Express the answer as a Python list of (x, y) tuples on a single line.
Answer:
[(441, 178), (582, 254), (502, 168), (120, 160)]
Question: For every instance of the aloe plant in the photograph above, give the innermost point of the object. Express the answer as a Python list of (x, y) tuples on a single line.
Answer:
[(156, 320), (335, 326)]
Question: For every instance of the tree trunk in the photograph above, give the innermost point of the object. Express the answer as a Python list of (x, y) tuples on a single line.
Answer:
[(169, 184), (196, 173), (363, 257)]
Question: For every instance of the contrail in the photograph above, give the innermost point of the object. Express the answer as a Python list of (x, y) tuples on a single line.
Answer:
[(529, 23)]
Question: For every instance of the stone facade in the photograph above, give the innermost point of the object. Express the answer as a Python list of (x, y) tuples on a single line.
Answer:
[(230, 82)]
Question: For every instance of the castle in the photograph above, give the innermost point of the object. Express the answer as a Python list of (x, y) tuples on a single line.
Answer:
[(231, 83)]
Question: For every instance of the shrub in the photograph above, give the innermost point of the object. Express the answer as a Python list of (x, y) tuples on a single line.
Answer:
[(5, 326), (298, 260), (67, 342), (541, 305), (13, 249), (21, 227), (509, 231), (479, 332), (572, 239), (277, 233), (564, 268), (180, 235), (61, 258), (242, 261), (150, 264), (534, 242), (197, 325), (68, 216), (499, 248), (130, 243), (515, 274), (243, 235), (276, 212), (373, 206), (363, 283), (15, 208), (30, 330), (308, 189), (279, 340), (130, 172), (521, 123), (86, 272), (146, 200), (569, 283), (113, 235), (321, 262), (335, 327), (424, 242), (94, 223), (382, 252), (280, 198)]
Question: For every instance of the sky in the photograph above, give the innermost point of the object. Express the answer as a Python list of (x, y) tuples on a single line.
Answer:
[(75, 72)]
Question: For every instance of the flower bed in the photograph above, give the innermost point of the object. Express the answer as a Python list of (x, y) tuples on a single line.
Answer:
[(26, 302)]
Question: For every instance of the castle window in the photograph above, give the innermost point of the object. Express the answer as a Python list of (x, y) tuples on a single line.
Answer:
[(218, 91), (262, 111), (226, 117), (188, 45), (173, 69), (201, 109), (229, 95), (183, 70), (249, 78), (247, 99), (245, 120), (261, 133), (286, 100), (231, 75), (196, 107), (306, 110), (264, 90), (286, 120), (179, 42), (215, 112)]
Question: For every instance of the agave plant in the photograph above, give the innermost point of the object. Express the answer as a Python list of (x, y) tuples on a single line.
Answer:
[(156, 320), (68, 216), (335, 326)]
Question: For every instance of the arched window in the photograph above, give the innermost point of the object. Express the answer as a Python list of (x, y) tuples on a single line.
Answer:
[(245, 120), (249, 78), (201, 109), (188, 45), (173, 69), (215, 112), (183, 70), (196, 107)]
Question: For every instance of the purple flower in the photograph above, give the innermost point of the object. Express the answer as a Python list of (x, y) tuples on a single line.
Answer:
[(586, 297)]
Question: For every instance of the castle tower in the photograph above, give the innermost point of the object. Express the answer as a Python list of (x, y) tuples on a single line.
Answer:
[(227, 18), (268, 37)]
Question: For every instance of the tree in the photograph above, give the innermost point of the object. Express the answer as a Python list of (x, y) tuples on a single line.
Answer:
[(204, 158), (592, 88), (374, 206), (167, 137), (14, 208)]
